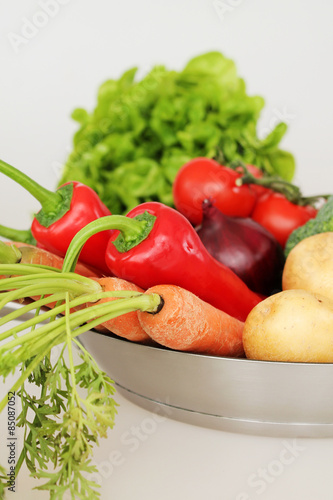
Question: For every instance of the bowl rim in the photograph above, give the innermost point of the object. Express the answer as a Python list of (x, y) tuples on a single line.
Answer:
[(209, 356)]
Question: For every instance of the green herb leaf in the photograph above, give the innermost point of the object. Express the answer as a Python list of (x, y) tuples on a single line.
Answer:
[(74, 410)]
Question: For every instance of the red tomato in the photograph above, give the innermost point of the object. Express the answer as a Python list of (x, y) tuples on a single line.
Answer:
[(279, 216), (204, 178)]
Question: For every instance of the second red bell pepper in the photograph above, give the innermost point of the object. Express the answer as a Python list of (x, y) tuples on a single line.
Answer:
[(170, 252)]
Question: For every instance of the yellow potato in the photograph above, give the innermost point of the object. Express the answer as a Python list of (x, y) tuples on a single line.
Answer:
[(309, 265), (293, 325)]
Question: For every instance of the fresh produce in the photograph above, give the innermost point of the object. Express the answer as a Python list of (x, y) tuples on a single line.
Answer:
[(63, 214), (33, 281), (30, 279), (244, 246), (322, 223), (293, 326), (153, 242), (130, 147), (158, 245), (54, 434), (204, 178), (126, 325), (251, 173), (62, 424), (280, 207), (242, 191), (280, 216), (197, 326), (186, 323), (309, 265), (23, 253), (296, 325), (168, 286)]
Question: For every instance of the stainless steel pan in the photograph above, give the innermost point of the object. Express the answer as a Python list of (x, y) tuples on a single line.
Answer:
[(238, 395)]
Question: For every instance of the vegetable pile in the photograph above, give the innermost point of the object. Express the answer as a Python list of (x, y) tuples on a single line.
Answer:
[(155, 278), (130, 147), (174, 226)]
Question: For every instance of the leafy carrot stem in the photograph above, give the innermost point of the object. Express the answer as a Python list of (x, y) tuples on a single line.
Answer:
[(39, 276), (24, 269), (21, 348), (78, 301), (40, 288), (25, 374), (23, 310), (64, 424)]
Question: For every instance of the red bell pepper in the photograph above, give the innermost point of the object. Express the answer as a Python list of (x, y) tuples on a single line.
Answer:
[(158, 245), (64, 212)]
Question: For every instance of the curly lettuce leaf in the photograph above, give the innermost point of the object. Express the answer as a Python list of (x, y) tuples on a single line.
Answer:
[(131, 146)]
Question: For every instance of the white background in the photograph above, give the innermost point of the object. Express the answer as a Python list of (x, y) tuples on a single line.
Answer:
[(284, 51)]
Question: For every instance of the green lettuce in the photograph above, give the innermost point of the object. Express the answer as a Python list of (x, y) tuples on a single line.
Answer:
[(130, 147)]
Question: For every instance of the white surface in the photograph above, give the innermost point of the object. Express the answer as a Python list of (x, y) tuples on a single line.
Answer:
[(284, 51), (149, 457)]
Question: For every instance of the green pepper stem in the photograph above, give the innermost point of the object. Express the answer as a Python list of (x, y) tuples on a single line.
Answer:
[(21, 235), (131, 229), (49, 200), (9, 254)]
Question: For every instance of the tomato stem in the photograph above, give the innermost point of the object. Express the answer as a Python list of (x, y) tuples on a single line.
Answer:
[(275, 183), (312, 200)]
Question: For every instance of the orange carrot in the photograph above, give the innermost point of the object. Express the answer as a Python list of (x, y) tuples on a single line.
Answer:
[(187, 323), (34, 255), (20, 253), (127, 325)]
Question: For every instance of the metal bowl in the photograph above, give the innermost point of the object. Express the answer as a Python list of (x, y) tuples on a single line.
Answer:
[(236, 395)]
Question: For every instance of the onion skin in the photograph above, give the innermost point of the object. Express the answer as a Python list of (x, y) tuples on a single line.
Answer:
[(245, 246)]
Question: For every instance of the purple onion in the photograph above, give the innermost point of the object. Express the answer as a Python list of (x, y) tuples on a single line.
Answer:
[(244, 246)]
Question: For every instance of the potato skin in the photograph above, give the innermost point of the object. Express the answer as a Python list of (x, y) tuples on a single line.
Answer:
[(309, 265), (291, 326)]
